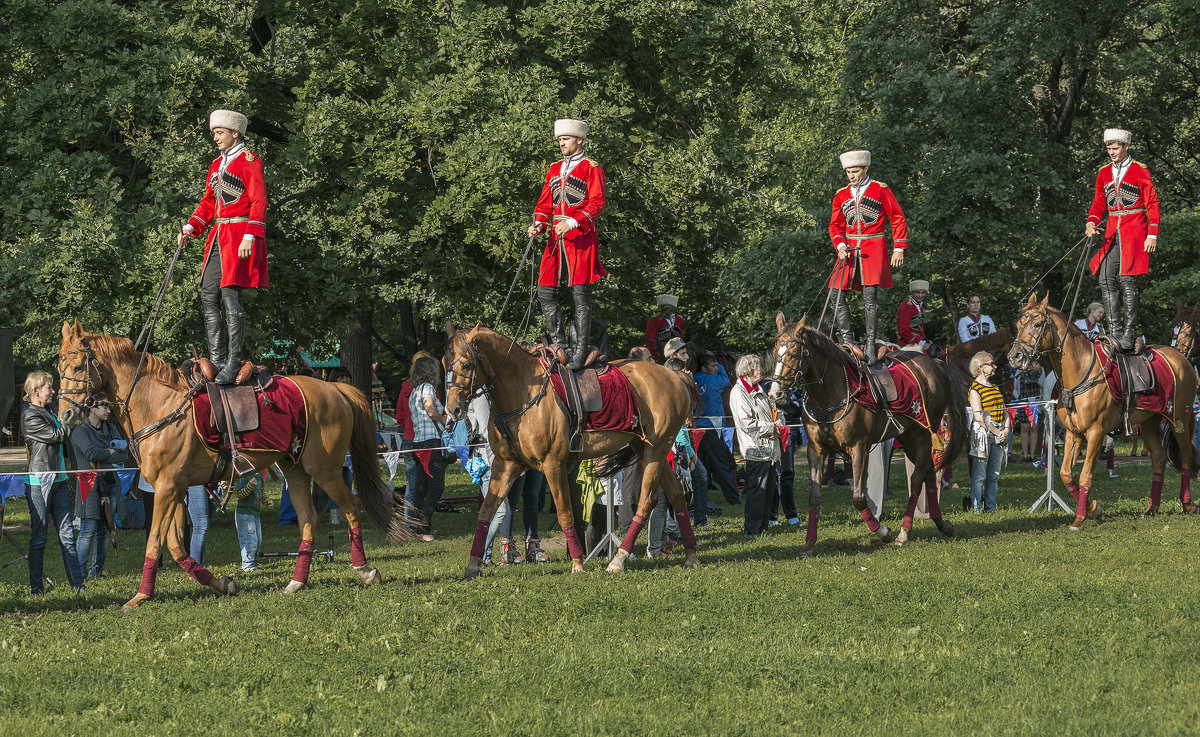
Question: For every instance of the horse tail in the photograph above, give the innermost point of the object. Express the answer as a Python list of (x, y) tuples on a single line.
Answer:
[(956, 413), (375, 496)]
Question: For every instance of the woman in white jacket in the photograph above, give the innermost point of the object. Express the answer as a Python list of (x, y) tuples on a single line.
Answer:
[(758, 439)]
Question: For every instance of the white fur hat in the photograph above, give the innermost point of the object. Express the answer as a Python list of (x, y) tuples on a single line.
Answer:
[(857, 157), (570, 127), (668, 299), (1118, 135), (227, 119), (918, 284)]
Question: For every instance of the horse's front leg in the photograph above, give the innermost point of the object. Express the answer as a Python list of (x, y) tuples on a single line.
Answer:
[(1085, 507), (817, 453), (556, 479), (858, 457), (1183, 437), (1152, 437), (504, 474)]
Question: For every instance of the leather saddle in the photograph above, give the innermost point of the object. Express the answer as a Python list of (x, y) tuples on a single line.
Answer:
[(1136, 374), (879, 379), (582, 389)]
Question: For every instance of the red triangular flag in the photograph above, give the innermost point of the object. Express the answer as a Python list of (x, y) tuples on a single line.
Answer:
[(697, 438), (784, 433), (423, 456), (87, 482)]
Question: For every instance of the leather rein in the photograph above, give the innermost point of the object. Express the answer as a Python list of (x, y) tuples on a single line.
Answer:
[(1032, 353), (794, 364), (464, 379)]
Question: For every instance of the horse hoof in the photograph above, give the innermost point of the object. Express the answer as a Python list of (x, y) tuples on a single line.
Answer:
[(224, 585), (293, 587), (1077, 525), (137, 600), (946, 528), (471, 574), (885, 534), (901, 538), (369, 575), (807, 552), (1094, 510), (1152, 511), (1189, 508), (576, 568), (691, 561), (617, 565)]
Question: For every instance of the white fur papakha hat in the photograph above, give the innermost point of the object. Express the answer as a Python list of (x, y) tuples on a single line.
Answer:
[(857, 157), (570, 127), (918, 284), (668, 299), (234, 121), (1118, 135)]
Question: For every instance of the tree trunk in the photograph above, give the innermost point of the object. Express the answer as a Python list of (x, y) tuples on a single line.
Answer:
[(355, 352)]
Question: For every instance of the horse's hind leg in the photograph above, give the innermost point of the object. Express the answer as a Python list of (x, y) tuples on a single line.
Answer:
[(648, 497), (919, 457), (556, 479), (334, 484), (669, 483), (1183, 439), (933, 495), (299, 486)]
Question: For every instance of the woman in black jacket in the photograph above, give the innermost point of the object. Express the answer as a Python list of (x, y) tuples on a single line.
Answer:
[(46, 487), (98, 443)]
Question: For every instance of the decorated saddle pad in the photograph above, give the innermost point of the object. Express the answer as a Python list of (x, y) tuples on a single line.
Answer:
[(618, 409), (283, 424), (1160, 399), (909, 401)]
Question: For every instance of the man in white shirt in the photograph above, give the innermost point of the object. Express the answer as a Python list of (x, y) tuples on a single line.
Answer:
[(975, 324)]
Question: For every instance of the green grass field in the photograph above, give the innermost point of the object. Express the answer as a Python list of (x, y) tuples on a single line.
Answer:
[(1015, 626)]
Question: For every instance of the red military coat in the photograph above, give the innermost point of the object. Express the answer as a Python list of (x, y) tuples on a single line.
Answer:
[(910, 323), (239, 193), (659, 330), (861, 224), (1132, 211), (581, 197)]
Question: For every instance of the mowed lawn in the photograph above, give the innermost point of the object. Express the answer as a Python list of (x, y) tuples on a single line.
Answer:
[(1015, 626)]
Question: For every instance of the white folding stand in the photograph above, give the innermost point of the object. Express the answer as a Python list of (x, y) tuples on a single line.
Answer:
[(610, 542), (1050, 497)]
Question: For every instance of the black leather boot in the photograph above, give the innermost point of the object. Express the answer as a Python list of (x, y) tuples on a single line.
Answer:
[(548, 301), (1129, 294), (871, 307), (841, 318), (1112, 308), (583, 329), (214, 328), (235, 319)]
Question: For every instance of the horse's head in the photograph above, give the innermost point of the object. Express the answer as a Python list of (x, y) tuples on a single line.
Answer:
[(461, 363), (789, 356), (1036, 334), (80, 375), (1184, 329)]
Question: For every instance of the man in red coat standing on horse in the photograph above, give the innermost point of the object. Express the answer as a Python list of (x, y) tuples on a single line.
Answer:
[(234, 211), (571, 200), (1125, 194), (856, 228)]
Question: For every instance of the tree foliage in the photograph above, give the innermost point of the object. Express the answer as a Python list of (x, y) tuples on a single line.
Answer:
[(405, 142)]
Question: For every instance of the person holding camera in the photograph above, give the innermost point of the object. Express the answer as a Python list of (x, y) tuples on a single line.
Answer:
[(98, 443)]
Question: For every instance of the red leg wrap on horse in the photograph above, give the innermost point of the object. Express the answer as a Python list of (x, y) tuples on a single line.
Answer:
[(481, 531), (907, 523), (935, 504), (872, 523), (1081, 500), (1185, 488), (1073, 489), (635, 529), (684, 520), (303, 562), (357, 556), (149, 574), (198, 572), (1156, 482), (574, 549), (811, 536)]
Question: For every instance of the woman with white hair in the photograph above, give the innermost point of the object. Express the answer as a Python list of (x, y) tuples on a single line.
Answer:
[(758, 439), (990, 428)]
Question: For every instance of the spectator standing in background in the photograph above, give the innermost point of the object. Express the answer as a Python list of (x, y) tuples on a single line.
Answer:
[(975, 324), (758, 439)]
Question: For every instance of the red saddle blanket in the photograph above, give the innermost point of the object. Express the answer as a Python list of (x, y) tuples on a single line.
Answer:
[(618, 408), (1160, 399), (283, 424), (910, 401)]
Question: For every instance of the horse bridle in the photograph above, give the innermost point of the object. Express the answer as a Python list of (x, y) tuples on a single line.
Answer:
[(1031, 350), (787, 361), (454, 377), (89, 363), (1190, 335)]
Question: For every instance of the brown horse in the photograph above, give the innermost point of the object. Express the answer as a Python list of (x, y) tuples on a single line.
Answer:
[(836, 422), (959, 356), (173, 457), (529, 428), (1087, 409)]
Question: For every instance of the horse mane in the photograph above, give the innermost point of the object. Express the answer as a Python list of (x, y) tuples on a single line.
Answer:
[(114, 349), (825, 343)]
